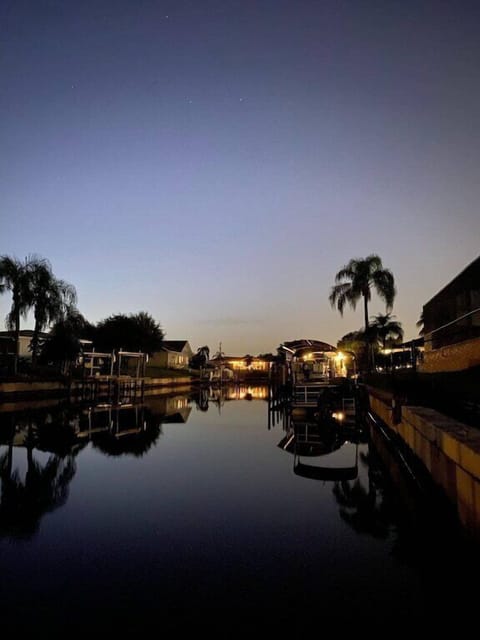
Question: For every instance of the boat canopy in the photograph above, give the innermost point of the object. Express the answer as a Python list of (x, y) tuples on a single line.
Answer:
[(298, 348)]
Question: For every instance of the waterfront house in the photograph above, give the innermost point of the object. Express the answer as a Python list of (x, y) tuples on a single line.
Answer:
[(173, 354), (240, 367), (451, 324), (7, 342)]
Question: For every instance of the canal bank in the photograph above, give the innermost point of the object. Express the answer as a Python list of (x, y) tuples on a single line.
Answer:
[(65, 388), (447, 448)]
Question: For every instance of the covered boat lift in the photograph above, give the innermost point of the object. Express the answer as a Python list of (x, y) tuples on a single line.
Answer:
[(314, 366)]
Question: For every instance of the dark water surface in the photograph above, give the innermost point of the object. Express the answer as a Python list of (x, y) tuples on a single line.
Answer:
[(200, 517)]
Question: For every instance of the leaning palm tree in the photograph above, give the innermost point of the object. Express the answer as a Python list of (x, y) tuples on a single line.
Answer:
[(15, 276), (355, 281), (51, 299), (385, 329)]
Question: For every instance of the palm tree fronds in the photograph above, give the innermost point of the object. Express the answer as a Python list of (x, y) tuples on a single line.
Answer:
[(355, 280)]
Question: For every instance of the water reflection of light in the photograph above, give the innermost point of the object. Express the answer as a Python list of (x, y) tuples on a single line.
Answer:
[(247, 393)]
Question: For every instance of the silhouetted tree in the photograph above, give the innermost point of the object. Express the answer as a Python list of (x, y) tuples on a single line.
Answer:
[(15, 276), (354, 342), (63, 345), (51, 300), (135, 332), (248, 359), (386, 329), (420, 325), (355, 281), (200, 359)]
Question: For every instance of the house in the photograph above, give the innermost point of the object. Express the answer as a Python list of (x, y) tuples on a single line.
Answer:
[(173, 354), (226, 367), (451, 324), (404, 355), (242, 363), (7, 342)]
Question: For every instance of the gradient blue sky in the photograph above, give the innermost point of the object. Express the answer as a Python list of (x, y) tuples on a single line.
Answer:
[(215, 163)]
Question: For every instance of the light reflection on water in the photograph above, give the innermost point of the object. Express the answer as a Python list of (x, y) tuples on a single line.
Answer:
[(205, 504)]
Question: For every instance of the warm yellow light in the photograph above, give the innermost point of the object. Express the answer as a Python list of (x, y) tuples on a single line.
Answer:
[(339, 356), (338, 416)]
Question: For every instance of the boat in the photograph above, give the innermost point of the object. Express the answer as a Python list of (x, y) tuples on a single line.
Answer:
[(321, 378)]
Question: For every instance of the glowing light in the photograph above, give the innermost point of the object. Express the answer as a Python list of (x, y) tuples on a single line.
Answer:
[(338, 416)]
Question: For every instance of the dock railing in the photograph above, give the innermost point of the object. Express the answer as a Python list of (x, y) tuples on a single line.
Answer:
[(307, 396)]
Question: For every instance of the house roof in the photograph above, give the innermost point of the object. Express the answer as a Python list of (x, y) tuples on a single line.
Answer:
[(26, 333), (174, 345), (468, 275)]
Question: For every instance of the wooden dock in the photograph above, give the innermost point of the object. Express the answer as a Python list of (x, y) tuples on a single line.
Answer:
[(116, 389), (307, 396)]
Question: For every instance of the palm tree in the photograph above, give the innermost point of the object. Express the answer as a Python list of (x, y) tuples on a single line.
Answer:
[(200, 359), (355, 281), (51, 299), (385, 328), (15, 276), (204, 352), (420, 324)]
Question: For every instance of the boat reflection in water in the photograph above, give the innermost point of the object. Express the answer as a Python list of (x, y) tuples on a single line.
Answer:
[(323, 448)]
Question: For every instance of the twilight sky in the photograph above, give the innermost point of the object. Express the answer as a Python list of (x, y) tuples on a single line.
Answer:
[(216, 162)]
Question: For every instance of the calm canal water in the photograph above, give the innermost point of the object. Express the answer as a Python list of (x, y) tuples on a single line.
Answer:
[(200, 510)]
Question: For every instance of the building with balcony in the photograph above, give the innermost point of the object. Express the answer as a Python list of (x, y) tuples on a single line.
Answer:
[(451, 324)]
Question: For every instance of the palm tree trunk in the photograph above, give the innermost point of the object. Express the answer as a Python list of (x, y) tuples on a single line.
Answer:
[(36, 333), (367, 333), (17, 342)]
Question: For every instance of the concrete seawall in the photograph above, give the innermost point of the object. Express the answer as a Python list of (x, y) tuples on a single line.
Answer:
[(450, 451), (59, 388)]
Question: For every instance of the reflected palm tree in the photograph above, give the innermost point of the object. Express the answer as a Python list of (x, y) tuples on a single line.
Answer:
[(201, 399), (365, 509), (361, 509), (24, 503)]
